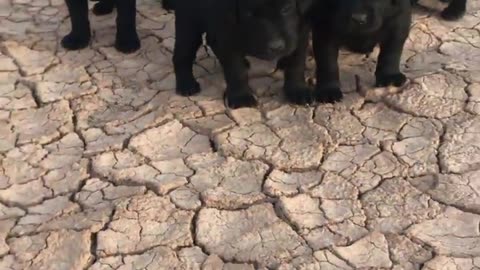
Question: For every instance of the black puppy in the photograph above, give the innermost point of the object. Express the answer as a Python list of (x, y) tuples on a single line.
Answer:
[(454, 11), (127, 40), (266, 29), (359, 25)]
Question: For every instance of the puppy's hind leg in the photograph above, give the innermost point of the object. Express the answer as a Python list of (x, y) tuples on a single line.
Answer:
[(325, 49), (188, 39), (388, 67), (104, 7), (238, 93), (79, 37), (127, 40), (295, 88)]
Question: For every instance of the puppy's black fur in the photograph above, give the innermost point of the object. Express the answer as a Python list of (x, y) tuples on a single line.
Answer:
[(127, 40), (454, 11), (266, 29), (359, 25)]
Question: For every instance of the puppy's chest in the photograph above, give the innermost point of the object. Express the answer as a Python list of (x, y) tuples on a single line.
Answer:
[(360, 43)]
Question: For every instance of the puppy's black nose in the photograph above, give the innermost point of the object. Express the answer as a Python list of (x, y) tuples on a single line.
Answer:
[(276, 46), (360, 18)]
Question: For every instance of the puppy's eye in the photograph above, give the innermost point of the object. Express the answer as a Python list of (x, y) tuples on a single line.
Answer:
[(287, 9)]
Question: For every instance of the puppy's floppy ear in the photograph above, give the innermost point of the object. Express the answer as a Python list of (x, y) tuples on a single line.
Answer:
[(304, 5)]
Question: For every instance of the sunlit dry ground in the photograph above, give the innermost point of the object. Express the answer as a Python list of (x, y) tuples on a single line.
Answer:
[(104, 167)]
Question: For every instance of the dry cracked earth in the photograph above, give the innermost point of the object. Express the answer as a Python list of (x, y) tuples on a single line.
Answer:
[(103, 167)]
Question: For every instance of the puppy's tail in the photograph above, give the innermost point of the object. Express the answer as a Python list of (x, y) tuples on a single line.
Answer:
[(168, 4)]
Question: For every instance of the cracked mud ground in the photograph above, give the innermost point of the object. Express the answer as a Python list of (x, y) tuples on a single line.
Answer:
[(103, 167)]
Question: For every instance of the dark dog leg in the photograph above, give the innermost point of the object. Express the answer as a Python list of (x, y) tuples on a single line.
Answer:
[(325, 50), (187, 41), (295, 88), (238, 93), (388, 67), (104, 7), (127, 40), (79, 37), (455, 10)]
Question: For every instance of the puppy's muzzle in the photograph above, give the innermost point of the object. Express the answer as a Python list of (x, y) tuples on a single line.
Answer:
[(276, 46), (360, 18)]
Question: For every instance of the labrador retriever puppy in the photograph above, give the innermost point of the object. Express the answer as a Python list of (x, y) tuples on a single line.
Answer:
[(454, 11), (126, 41), (265, 29), (358, 25)]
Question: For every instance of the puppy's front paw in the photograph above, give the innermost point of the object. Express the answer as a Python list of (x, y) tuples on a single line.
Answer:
[(188, 88), (103, 8), (328, 94), (127, 43), (452, 13), (300, 95), (245, 99), (75, 42), (396, 80)]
